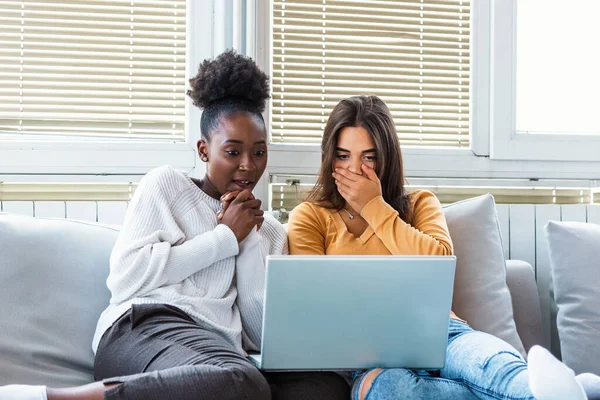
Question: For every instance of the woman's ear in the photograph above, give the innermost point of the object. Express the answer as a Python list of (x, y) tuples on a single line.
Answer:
[(202, 149)]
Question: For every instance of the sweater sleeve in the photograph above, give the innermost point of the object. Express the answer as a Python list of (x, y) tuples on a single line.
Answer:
[(152, 251), (427, 236), (305, 232), (251, 274)]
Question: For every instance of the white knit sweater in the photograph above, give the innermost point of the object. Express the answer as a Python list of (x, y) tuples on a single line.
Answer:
[(171, 250)]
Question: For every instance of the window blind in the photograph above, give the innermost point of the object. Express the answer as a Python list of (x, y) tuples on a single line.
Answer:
[(287, 191), (413, 54), (95, 69)]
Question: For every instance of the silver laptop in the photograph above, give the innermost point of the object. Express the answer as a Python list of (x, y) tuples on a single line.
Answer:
[(355, 312)]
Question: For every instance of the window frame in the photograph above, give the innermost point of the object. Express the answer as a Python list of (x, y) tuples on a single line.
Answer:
[(307, 157), (486, 158), (44, 158), (209, 34), (507, 142)]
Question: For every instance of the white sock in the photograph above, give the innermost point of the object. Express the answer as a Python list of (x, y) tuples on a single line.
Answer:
[(23, 392), (550, 379), (590, 384)]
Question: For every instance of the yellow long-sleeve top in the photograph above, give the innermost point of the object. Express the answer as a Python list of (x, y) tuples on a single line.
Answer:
[(316, 230)]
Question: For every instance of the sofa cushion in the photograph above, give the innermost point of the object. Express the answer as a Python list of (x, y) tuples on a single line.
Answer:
[(481, 295), (52, 290), (574, 249)]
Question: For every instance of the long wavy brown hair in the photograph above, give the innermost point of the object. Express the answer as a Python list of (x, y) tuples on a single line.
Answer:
[(373, 115)]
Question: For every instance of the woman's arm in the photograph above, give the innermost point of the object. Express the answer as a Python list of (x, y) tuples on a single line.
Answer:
[(152, 251), (427, 236), (250, 269), (306, 233)]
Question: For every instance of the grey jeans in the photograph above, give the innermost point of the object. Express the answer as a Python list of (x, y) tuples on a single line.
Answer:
[(156, 351)]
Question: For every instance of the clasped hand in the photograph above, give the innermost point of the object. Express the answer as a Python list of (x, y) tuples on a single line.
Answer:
[(241, 212)]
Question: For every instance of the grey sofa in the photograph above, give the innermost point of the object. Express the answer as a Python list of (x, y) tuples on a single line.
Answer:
[(52, 291), (520, 279)]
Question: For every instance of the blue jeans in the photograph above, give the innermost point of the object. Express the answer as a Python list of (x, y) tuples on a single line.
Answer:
[(478, 366)]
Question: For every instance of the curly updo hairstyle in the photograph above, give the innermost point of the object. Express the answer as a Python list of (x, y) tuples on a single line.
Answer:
[(228, 84)]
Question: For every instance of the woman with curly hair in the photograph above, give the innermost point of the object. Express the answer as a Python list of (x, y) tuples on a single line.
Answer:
[(187, 271)]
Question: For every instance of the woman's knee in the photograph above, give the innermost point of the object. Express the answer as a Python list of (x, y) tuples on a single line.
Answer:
[(405, 384), (479, 348), (386, 383), (362, 386), (250, 383)]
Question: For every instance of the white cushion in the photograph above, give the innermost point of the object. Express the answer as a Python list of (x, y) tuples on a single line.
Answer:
[(481, 295), (52, 290), (574, 249)]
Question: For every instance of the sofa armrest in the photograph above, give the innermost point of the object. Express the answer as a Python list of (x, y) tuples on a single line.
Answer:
[(526, 302)]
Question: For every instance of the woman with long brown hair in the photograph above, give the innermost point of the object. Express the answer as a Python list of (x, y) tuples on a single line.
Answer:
[(359, 205)]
